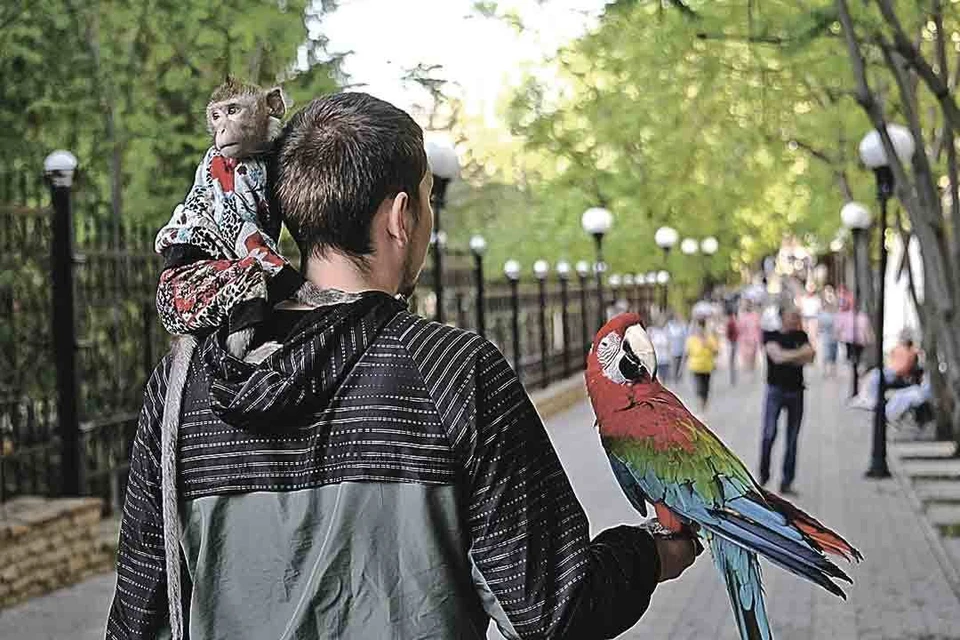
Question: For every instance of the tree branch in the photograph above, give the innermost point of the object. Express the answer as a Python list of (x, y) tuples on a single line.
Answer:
[(685, 10), (923, 68)]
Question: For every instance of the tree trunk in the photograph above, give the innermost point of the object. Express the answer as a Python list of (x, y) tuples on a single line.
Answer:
[(920, 198)]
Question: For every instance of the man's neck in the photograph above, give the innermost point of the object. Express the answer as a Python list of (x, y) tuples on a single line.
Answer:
[(337, 271)]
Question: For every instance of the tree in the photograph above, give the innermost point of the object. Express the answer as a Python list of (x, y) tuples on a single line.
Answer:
[(124, 84)]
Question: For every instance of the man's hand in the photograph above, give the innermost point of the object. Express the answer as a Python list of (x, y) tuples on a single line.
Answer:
[(676, 554)]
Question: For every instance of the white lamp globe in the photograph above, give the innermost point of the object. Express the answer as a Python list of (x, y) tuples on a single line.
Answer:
[(615, 280), (628, 280), (666, 237), (854, 215), (478, 245), (709, 245), (689, 246), (442, 159), (583, 268), (541, 268), (663, 277), (652, 277), (59, 167), (596, 221), (563, 269), (874, 155), (836, 245), (511, 269)]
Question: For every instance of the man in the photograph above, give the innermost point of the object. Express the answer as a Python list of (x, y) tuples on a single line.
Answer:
[(701, 355), (365, 473), (733, 335), (677, 332), (788, 349)]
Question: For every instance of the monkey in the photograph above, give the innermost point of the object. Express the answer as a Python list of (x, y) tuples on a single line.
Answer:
[(243, 119), (221, 262)]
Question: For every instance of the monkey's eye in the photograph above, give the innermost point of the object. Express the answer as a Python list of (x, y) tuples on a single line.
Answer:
[(232, 109), (215, 116)]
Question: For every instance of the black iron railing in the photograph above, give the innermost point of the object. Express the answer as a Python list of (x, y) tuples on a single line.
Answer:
[(116, 338)]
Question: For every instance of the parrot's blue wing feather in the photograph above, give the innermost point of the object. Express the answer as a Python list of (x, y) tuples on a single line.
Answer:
[(629, 484), (741, 574)]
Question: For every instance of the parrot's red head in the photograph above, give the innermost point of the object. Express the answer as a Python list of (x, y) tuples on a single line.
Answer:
[(622, 353)]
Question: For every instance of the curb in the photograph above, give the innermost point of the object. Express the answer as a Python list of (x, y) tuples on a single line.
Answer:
[(944, 559), (559, 396)]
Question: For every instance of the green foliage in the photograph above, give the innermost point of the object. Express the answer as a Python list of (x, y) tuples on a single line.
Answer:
[(734, 122), (123, 84)]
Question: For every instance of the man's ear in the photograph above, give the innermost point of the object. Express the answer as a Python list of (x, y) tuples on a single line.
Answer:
[(399, 220)]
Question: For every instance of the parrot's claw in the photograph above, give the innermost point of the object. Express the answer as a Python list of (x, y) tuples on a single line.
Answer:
[(657, 530)]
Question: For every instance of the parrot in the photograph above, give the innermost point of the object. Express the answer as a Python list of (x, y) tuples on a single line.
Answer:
[(661, 454)]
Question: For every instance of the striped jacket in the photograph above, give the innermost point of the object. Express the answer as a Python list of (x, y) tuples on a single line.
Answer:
[(377, 476)]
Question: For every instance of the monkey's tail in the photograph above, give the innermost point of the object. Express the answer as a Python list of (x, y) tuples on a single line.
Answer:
[(182, 354)]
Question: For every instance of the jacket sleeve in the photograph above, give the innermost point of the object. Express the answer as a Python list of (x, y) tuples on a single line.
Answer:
[(139, 608), (538, 573)]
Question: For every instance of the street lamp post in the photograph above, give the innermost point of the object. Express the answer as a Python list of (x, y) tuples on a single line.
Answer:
[(689, 247), (615, 281), (478, 246), (59, 168), (874, 155), (511, 269), (541, 268), (445, 167), (665, 237), (631, 292), (708, 247), (563, 272), (836, 248), (663, 279), (583, 270), (651, 280), (856, 218), (597, 221)]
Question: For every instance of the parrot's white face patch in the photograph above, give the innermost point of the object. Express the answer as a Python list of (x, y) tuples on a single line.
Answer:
[(609, 354)]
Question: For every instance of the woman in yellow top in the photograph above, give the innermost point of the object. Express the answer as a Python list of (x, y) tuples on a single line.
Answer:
[(702, 349)]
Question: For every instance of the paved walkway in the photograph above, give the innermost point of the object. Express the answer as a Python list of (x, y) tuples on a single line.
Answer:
[(900, 591)]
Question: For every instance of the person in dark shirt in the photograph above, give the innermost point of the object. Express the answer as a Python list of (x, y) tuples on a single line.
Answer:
[(788, 350)]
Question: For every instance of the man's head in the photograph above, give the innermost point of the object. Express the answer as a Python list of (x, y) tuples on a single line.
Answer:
[(790, 319), (352, 179)]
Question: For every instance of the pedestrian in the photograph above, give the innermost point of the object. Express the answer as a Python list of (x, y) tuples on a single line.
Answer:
[(787, 349), (701, 352), (748, 333), (677, 332), (363, 473), (826, 325), (853, 330), (733, 334), (661, 347)]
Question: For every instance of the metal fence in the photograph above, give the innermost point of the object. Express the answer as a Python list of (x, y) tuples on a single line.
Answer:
[(71, 381)]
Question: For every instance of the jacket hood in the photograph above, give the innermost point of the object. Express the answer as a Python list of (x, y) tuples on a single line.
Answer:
[(302, 375)]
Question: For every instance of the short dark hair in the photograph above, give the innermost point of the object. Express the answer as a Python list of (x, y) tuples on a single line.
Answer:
[(336, 161)]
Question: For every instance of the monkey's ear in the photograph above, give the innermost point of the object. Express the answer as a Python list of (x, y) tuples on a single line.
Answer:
[(276, 102)]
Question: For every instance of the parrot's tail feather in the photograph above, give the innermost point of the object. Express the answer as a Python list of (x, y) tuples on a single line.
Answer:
[(829, 540), (741, 574), (795, 556)]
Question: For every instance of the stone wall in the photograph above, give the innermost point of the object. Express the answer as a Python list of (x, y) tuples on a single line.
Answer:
[(50, 543)]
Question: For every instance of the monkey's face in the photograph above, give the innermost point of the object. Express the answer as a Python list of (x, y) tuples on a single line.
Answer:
[(239, 126)]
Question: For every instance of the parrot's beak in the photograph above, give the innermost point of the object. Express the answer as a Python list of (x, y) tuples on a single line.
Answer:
[(638, 352)]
